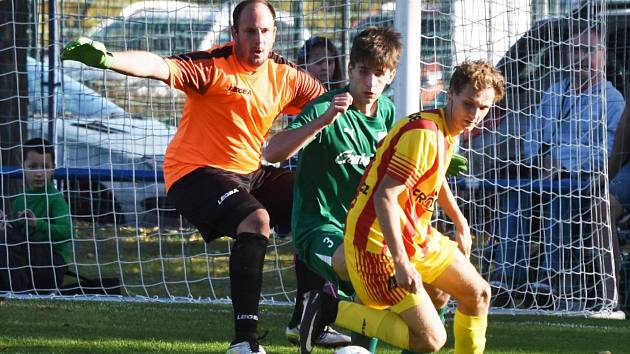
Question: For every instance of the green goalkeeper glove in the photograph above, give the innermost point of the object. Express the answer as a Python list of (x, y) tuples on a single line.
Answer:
[(458, 165), (88, 52)]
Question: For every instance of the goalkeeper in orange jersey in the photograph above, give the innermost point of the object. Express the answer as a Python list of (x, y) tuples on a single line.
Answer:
[(212, 168), (390, 246)]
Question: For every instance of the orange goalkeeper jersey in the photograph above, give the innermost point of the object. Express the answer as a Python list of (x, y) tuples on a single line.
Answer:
[(228, 110), (416, 152)]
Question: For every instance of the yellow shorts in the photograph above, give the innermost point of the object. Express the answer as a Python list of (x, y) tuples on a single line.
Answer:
[(372, 274)]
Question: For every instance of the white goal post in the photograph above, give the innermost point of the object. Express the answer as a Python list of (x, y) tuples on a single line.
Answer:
[(545, 244)]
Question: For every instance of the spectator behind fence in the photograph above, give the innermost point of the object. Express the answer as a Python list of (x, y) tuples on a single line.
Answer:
[(212, 168), (564, 144), (319, 57), (35, 240)]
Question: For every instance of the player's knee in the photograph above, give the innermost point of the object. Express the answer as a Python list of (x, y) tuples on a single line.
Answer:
[(481, 296), (477, 300), (429, 340), (485, 295), (439, 298), (339, 263), (256, 222)]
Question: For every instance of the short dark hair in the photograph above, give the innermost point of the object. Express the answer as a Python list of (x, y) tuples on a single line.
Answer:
[(377, 47), (480, 74), (38, 146), (236, 14)]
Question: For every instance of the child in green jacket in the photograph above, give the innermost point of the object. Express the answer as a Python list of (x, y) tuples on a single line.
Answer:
[(35, 240)]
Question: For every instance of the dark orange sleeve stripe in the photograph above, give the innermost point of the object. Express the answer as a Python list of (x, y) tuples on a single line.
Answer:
[(367, 215), (400, 168), (409, 230), (192, 72), (381, 163), (307, 88)]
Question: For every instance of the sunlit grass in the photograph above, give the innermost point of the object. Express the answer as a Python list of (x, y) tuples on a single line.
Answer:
[(155, 262), (54, 326)]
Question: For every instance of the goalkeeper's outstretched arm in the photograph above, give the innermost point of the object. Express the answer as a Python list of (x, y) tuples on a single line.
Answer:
[(132, 63), (141, 64)]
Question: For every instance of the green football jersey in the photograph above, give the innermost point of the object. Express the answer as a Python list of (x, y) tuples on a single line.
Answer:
[(331, 165), (53, 218)]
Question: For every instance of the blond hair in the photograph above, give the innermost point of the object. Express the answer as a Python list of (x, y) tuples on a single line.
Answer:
[(481, 74)]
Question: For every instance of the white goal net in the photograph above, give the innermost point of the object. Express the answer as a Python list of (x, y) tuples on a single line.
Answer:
[(543, 232)]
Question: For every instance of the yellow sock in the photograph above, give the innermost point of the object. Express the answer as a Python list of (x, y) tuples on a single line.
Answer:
[(470, 333), (382, 324)]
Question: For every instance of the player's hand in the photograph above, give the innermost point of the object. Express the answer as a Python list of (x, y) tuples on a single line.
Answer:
[(464, 239), (458, 165), (339, 104), (407, 277), (88, 52), (29, 216)]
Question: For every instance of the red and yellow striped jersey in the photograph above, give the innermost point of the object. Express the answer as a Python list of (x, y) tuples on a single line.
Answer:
[(417, 152)]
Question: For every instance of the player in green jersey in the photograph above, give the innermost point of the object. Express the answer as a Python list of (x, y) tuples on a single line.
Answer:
[(338, 133)]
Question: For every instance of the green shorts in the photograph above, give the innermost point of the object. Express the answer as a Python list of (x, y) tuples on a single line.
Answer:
[(317, 253)]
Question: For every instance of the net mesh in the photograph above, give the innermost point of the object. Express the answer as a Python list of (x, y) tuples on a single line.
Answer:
[(543, 239)]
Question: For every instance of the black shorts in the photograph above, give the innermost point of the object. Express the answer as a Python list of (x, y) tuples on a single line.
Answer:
[(217, 201)]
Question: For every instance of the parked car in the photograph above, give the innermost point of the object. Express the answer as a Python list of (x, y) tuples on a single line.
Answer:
[(104, 147), (167, 27), (164, 27)]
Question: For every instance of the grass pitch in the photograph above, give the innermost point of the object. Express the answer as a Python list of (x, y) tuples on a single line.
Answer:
[(58, 326)]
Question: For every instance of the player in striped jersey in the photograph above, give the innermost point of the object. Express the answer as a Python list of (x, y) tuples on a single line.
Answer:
[(390, 245)]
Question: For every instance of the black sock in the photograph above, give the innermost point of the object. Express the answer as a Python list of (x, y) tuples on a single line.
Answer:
[(306, 280), (246, 265), (330, 307)]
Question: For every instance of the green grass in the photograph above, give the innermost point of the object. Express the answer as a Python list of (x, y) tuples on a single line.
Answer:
[(56, 326), (154, 262)]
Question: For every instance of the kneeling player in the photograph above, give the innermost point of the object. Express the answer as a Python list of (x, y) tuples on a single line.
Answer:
[(390, 246)]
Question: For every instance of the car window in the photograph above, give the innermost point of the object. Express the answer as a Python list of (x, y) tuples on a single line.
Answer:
[(535, 61), (168, 38), (159, 35), (112, 36)]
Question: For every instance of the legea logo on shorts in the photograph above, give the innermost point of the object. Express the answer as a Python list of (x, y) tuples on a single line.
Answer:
[(223, 197), (247, 317)]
